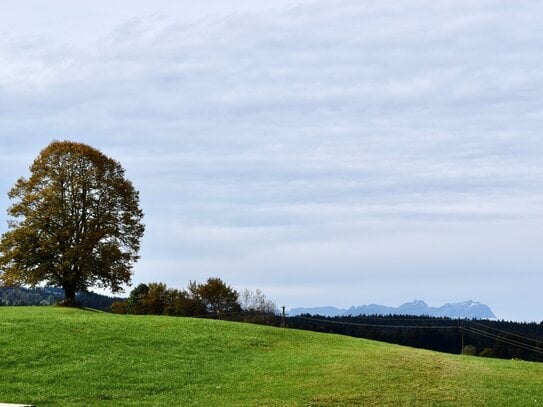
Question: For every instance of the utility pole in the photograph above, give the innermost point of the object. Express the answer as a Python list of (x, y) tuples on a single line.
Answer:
[(283, 324)]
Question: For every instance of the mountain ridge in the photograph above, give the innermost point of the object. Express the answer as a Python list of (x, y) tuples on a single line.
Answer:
[(464, 309)]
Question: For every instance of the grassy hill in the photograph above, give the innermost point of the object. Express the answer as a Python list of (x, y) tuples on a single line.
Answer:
[(57, 357)]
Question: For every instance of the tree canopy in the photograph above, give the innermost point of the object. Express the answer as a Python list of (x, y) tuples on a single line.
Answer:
[(212, 298), (75, 223), (217, 297)]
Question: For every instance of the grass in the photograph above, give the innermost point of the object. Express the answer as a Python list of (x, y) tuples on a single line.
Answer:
[(67, 357)]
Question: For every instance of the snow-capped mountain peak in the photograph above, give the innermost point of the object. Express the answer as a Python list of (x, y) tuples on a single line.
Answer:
[(466, 309)]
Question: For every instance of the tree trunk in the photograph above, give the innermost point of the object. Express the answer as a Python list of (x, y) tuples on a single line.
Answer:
[(69, 297)]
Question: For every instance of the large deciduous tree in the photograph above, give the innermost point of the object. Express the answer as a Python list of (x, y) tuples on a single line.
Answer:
[(75, 223)]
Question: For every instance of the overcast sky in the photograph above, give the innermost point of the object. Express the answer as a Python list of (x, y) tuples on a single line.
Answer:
[(327, 152)]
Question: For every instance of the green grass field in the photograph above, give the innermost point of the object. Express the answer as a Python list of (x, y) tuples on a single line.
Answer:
[(58, 357)]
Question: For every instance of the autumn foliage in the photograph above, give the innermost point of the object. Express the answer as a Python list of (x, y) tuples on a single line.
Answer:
[(212, 298), (76, 223)]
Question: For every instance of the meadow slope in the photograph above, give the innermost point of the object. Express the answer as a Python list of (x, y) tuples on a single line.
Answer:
[(53, 356)]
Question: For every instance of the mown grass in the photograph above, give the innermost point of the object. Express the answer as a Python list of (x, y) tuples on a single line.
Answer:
[(67, 357)]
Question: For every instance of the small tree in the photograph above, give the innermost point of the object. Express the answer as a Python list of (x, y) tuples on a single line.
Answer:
[(76, 223), (256, 301), (119, 307), (134, 303), (156, 299), (217, 297), (469, 350)]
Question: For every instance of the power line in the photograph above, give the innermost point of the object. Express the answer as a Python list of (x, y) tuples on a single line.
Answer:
[(505, 340), (506, 332), (380, 325)]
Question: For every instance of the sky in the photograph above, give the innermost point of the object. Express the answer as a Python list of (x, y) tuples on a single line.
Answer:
[(326, 152)]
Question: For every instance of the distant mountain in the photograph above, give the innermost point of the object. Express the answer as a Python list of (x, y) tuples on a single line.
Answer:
[(466, 309)]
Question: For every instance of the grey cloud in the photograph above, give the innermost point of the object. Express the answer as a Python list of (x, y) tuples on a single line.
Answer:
[(252, 133)]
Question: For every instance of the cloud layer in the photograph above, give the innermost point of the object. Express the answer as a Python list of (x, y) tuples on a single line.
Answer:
[(339, 153)]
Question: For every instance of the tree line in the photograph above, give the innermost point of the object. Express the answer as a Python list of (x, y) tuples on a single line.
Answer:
[(44, 296), (213, 298)]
